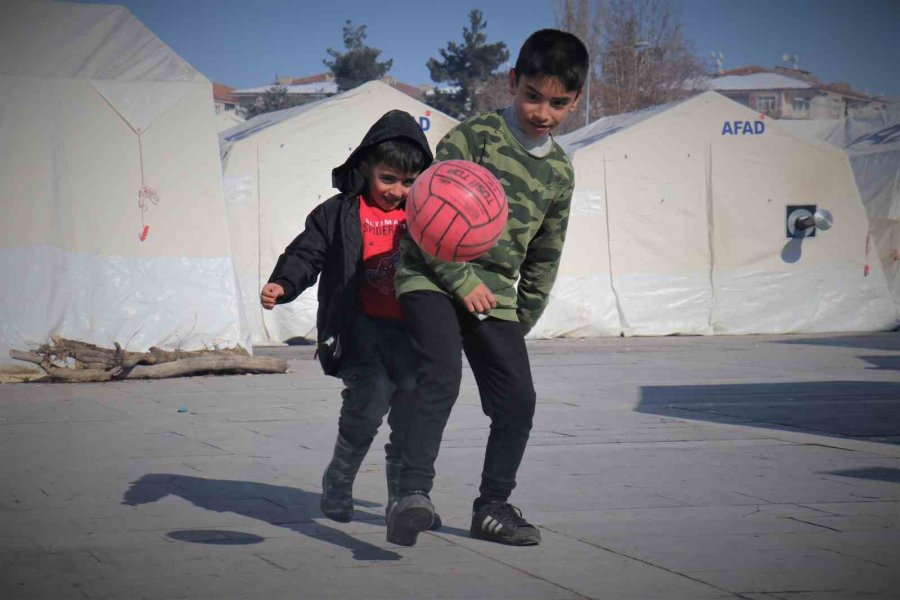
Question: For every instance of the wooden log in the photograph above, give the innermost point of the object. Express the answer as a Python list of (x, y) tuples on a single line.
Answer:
[(209, 364), (170, 364), (66, 375), (63, 373), (31, 357), (159, 355), (91, 353)]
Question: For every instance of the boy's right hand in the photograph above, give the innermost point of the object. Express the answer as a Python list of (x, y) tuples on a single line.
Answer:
[(480, 300), (271, 292)]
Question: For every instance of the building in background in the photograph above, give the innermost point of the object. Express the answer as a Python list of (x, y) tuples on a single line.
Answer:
[(302, 90), (791, 93), (224, 98)]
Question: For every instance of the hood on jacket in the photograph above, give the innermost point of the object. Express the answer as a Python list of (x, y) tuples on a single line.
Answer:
[(393, 124)]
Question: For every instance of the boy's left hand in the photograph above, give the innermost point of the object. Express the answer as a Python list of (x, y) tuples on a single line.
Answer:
[(480, 300)]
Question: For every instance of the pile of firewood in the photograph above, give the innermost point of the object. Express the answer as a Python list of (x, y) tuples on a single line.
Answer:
[(74, 361)]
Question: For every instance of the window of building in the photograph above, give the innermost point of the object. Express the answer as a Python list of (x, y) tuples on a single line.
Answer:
[(765, 104), (800, 105)]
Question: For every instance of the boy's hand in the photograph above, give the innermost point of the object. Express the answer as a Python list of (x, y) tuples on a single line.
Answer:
[(271, 292), (480, 300)]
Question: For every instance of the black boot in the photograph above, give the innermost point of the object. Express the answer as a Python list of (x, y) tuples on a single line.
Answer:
[(392, 470), (337, 482)]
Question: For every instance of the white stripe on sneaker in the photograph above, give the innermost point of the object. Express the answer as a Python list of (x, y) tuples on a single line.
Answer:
[(491, 525), (486, 523)]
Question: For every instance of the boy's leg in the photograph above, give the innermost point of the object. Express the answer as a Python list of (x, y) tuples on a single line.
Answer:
[(398, 355), (400, 361), (366, 396), (431, 321), (499, 360), (434, 331)]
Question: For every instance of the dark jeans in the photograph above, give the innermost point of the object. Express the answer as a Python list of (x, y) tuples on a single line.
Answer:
[(441, 330), (378, 373)]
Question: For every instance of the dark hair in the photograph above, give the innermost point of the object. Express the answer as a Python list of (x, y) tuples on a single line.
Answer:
[(398, 153), (554, 53)]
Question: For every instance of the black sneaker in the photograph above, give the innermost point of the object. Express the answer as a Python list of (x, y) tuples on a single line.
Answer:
[(502, 522), (408, 517), (436, 524)]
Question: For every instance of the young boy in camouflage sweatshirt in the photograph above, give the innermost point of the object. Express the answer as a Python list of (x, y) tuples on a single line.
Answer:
[(477, 307)]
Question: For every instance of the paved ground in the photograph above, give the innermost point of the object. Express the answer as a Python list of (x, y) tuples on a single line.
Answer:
[(665, 468)]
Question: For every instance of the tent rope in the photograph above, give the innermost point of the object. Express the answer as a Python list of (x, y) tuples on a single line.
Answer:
[(145, 194)]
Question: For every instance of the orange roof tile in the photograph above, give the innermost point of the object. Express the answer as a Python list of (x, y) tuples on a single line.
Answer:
[(409, 90), (223, 93)]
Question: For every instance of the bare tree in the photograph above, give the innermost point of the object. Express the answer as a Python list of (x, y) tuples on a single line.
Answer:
[(645, 61), (494, 94), (639, 57), (582, 18)]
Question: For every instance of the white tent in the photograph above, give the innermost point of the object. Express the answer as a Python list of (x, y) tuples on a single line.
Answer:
[(227, 120), (873, 145), (679, 227), (114, 226), (277, 168)]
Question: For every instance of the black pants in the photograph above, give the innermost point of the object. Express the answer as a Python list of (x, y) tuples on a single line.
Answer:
[(440, 330), (378, 373)]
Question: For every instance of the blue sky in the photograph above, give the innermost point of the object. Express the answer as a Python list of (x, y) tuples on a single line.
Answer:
[(245, 43)]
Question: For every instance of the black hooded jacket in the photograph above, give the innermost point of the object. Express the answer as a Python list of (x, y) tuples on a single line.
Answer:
[(331, 244)]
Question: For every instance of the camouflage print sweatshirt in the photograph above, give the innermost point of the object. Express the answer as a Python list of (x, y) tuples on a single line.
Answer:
[(539, 192)]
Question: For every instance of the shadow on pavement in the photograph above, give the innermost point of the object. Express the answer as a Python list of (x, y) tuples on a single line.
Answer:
[(875, 473), (889, 363), (216, 537), (889, 340), (283, 506), (860, 409)]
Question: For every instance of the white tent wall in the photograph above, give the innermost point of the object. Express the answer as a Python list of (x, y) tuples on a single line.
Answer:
[(873, 145), (695, 231), (877, 171), (659, 237), (277, 168), (242, 202), (582, 301), (226, 120), (79, 258), (885, 242), (768, 283)]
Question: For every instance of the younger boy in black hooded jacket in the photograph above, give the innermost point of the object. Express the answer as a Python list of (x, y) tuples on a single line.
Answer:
[(353, 240)]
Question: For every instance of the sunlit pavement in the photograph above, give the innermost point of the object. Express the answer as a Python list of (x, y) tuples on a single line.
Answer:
[(759, 467)]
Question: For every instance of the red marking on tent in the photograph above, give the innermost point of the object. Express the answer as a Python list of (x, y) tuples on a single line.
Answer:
[(427, 113), (145, 232), (762, 115)]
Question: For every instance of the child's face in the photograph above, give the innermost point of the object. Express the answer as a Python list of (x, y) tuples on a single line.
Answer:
[(388, 187), (541, 103)]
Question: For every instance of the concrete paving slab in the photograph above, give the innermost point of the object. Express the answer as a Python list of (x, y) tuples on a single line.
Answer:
[(673, 468)]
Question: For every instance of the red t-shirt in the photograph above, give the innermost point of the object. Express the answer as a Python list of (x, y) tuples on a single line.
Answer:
[(381, 235)]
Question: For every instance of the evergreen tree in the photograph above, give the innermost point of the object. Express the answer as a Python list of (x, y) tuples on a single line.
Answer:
[(359, 63), (466, 67)]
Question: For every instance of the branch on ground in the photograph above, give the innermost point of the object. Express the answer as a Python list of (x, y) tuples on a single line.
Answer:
[(73, 361)]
